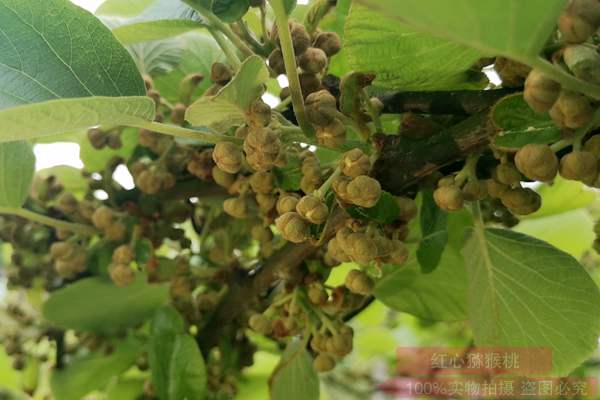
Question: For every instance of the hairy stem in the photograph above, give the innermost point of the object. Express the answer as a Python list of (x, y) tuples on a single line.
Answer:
[(80, 229), (291, 69), (566, 80), (226, 47), (178, 131)]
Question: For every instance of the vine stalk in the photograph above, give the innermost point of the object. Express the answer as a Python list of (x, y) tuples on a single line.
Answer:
[(80, 229)]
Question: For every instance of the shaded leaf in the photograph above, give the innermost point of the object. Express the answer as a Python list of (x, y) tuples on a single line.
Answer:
[(434, 223), (230, 10), (187, 373), (154, 30), (294, 378), (17, 166), (384, 212)]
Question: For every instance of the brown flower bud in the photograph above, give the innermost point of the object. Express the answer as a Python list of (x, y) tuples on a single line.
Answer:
[(201, 164), (261, 233), (116, 232), (178, 114), (148, 181), (363, 191), (266, 202), (276, 62), (293, 227), (300, 37), (355, 163), (228, 157), (579, 166), (593, 145), (408, 208), (262, 147), (332, 135), (313, 209), (540, 91), (537, 162), (62, 250), (237, 207), (260, 323), (121, 274), (309, 83), (317, 294), (321, 108), (103, 217), (262, 182), (97, 138), (287, 203), (571, 110), (583, 61), (309, 184), (507, 174), (222, 178), (323, 363), (399, 253), (495, 189), (579, 20), (474, 191), (336, 251), (123, 254), (67, 203), (449, 198), (259, 114), (340, 187), (360, 247), (329, 42), (521, 201), (220, 73), (313, 60), (359, 282), (511, 72)]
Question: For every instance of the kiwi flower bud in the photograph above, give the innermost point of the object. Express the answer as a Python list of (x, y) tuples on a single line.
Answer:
[(228, 157), (495, 189), (579, 166), (363, 191), (276, 62), (359, 282), (121, 274), (260, 113), (329, 42), (355, 163), (537, 162), (313, 209), (262, 148), (321, 108), (262, 182), (222, 178), (220, 73), (361, 248), (332, 135), (571, 110), (237, 207), (593, 145), (521, 201), (103, 217), (474, 191), (540, 91), (287, 203), (323, 363), (313, 60), (293, 227), (123, 254), (507, 174), (300, 37), (449, 198), (579, 21), (260, 323)]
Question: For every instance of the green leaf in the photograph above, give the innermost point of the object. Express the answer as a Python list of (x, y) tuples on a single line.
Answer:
[(17, 166), (94, 371), (114, 308), (402, 58), (439, 296), (289, 5), (166, 325), (187, 372), (521, 125), (230, 10), (120, 8), (384, 212), (58, 116), (434, 223), (561, 196), (289, 177), (513, 28), (125, 389), (294, 378), (70, 178), (525, 293), (228, 107), (154, 30), (54, 49)]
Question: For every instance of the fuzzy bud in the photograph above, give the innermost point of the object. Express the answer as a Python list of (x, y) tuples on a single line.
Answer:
[(287, 203), (121, 274), (276, 62), (449, 198), (359, 282), (123, 254), (355, 163), (259, 114), (293, 227), (323, 363), (361, 248), (260, 324), (222, 178), (262, 147), (540, 91), (579, 21), (220, 73), (507, 174), (237, 207), (474, 191), (313, 209), (571, 110), (309, 83), (103, 217), (313, 60), (579, 166), (228, 157), (262, 182), (521, 201), (537, 162), (321, 108), (329, 42), (363, 191)]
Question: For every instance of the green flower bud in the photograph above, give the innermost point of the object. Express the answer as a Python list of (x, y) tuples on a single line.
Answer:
[(449, 198), (287, 203), (293, 227), (340, 187), (329, 42), (116, 232), (237, 207), (521, 201), (323, 363), (335, 250), (359, 282), (313, 209), (313, 60), (266, 202), (62, 250), (228, 157), (537, 162), (355, 163), (262, 182), (579, 166), (571, 110), (222, 178), (540, 91)]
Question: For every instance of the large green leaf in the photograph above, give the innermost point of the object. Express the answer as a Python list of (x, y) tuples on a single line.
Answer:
[(520, 125), (58, 116), (402, 58), (54, 49), (94, 371), (17, 166), (146, 10), (525, 293), (294, 378), (114, 307), (514, 28), (228, 107), (154, 30), (561, 196), (434, 223), (120, 8), (230, 10), (187, 372), (439, 296)]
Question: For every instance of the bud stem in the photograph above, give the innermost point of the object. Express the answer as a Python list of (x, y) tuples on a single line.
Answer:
[(178, 131), (291, 69), (226, 47), (320, 192), (80, 229)]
